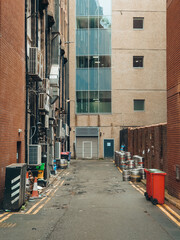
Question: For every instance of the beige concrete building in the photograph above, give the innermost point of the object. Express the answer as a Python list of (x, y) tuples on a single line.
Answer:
[(117, 71)]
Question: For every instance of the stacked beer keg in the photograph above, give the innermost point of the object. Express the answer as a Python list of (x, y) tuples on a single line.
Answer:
[(134, 170), (132, 167)]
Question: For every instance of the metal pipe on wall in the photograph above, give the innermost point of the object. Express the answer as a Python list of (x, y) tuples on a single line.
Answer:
[(37, 84), (27, 87)]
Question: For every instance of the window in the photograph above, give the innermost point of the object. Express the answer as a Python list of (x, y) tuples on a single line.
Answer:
[(138, 61), (138, 23), (82, 61), (82, 22), (93, 56), (139, 105)]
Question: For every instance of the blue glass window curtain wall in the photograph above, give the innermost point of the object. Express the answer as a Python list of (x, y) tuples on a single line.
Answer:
[(93, 56)]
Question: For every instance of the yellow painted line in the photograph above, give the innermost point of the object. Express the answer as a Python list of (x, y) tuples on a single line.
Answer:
[(168, 214), (119, 169), (39, 208), (47, 194), (162, 209), (136, 188), (62, 183), (172, 211), (33, 207), (5, 218), (142, 189), (2, 215)]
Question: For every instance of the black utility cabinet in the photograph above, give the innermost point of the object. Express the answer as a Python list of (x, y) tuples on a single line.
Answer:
[(15, 186)]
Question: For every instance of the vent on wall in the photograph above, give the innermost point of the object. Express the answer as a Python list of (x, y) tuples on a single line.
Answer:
[(89, 131)]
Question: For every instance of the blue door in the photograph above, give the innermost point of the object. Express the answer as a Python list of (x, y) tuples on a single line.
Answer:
[(108, 148)]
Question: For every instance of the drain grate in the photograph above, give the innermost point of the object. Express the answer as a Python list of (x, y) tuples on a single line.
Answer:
[(7, 225)]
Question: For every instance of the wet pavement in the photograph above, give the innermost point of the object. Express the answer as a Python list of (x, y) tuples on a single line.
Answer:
[(90, 201)]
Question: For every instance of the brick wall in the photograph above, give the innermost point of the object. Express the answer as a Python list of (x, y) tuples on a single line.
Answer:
[(12, 84), (173, 97)]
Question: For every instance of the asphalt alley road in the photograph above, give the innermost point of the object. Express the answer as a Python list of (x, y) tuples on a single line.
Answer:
[(89, 201)]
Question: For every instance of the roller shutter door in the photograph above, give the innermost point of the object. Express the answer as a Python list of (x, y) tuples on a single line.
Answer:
[(87, 147)]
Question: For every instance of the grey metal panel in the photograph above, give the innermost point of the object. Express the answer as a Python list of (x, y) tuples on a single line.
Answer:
[(87, 132)]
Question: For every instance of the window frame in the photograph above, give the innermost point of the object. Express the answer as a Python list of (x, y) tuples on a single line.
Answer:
[(138, 18), (142, 62), (135, 100)]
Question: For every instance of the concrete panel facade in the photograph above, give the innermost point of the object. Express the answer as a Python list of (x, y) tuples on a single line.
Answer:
[(128, 83)]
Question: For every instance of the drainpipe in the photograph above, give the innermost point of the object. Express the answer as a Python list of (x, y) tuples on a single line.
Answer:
[(37, 84), (68, 120), (27, 86), (62, 82), (46, 49)]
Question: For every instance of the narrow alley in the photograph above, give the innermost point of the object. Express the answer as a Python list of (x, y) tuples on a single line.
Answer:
[(90, 201)]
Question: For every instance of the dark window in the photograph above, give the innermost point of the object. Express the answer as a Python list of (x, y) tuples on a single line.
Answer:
[(93, 101), (18, 154), (93, 22), (138, 61), (104, 61), (82, 62), (104, 102), (139, 105), (82, 22), (138, 23), (82, 101), (93, 61)]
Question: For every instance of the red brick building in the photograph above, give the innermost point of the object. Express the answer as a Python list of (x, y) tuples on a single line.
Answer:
[(173, 96), (12, 85)]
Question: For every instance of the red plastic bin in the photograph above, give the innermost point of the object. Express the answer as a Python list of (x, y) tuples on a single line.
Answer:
[(155, 186), (158, 186), (148, 193)]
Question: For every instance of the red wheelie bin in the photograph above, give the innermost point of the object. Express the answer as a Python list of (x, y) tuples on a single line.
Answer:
[(155, 186), (148, 193), (158, 186)]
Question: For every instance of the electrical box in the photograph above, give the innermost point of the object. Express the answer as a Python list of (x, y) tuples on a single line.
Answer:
[(15, 186)]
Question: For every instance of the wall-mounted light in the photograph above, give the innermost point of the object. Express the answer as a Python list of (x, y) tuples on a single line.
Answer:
[(68, 42)]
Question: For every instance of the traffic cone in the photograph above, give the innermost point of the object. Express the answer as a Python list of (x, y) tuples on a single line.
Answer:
[(27, 181), (35, 193)]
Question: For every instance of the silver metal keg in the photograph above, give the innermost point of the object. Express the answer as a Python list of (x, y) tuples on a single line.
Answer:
[(130, 164), (135, 175), (126, 175)]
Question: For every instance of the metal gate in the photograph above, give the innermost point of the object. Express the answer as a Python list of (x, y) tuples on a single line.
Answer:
[(108, 148)]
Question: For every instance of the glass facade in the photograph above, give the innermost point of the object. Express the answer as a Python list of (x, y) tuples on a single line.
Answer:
[(93, 56)]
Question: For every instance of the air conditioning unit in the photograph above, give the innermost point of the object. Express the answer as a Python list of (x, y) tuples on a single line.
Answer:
[(59, 128), (44, 102), (55, 92), (34, 154), (35, 63), (63, 133), (54, 75), (67, 129), (57, 150), (46, 121)]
